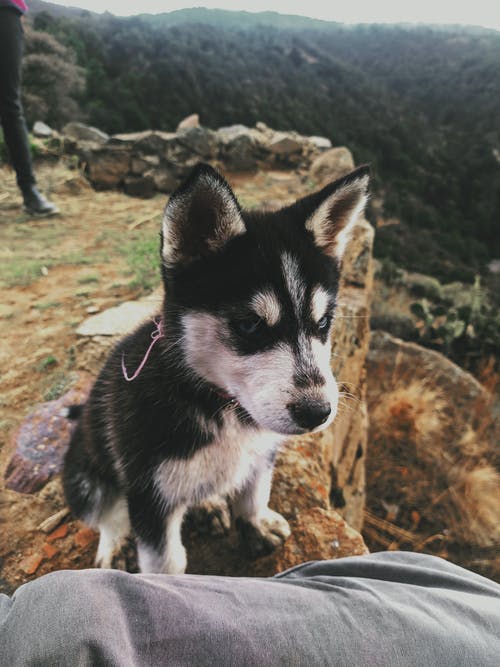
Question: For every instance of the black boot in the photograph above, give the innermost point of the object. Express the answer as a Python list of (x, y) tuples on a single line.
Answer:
[(36, 204)]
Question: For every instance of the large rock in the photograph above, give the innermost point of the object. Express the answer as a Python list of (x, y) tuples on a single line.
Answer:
[(138, 165), (107, 167), (148, 142), (240, 148), (81, 132), (340, 451), (180, 156), (42, 130), (230, 132), (166, 178), (331, 164), (317, 534), (198, 141), (285, 143), (42, 439), (140, 186), (321, 143), (357, 265), (433, 444), (190, 121)]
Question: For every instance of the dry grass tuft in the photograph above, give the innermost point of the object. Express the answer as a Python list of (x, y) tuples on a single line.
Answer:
[(440, 475), (414, 415), (474, 497)]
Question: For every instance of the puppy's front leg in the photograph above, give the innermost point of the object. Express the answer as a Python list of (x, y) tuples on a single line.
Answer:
[(158, 531), (262, 529), (169, 556)]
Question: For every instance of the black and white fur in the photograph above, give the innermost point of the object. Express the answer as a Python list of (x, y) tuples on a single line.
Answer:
[(243, 365)]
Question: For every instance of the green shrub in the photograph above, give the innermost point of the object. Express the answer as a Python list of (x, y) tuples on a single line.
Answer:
[(4, 155), (466, 331), (424, 287), (390, 273)]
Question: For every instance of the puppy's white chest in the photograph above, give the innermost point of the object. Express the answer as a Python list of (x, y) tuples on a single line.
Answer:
[(220, 468)]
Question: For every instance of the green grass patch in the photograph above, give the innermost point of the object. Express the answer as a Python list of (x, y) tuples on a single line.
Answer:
[(46, 305), (46, 363), (19, 271), (77, 259), (88, 279), (248, 202), (61, 382), (143, 259)]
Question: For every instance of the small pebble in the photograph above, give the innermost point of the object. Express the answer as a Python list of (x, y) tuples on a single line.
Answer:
[(53, 521), (30, 564), (62, 531), (84, 537), (50, 550)]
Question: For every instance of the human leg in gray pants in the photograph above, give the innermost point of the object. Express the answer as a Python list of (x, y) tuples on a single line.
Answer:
[(383, 609)]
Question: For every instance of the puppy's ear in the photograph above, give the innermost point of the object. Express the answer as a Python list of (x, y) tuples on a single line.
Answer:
[(339, 206), (200, 218)]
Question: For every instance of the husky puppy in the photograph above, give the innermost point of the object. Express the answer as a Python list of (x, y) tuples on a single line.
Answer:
[(239, 362)]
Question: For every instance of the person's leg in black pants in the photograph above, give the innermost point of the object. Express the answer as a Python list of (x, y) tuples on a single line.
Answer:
[(11, 111)]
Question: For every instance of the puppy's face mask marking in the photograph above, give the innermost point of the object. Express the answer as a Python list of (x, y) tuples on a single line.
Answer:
[(257, 295)]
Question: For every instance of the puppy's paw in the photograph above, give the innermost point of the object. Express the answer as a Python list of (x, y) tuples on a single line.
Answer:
[(212, 516), (122, 556), (264, 534)]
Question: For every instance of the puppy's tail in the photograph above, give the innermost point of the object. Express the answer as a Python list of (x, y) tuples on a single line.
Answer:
[(72, 412)]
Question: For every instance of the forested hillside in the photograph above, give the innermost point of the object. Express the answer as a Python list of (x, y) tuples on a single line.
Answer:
[(422, 105)]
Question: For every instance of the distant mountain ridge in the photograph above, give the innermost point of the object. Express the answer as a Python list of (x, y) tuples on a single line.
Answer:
[(422, 104), (243, 19), (37, 6)]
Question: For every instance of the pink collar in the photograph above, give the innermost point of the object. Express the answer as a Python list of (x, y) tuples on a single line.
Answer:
[(156, 335)]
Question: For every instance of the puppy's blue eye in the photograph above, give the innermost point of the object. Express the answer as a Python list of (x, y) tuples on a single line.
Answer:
[(248, 326), (324, 322)]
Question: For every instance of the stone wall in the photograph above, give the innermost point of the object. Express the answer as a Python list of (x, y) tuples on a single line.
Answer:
[(143, 163)]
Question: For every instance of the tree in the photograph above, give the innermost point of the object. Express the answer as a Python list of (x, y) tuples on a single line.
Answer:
[(51, 80)]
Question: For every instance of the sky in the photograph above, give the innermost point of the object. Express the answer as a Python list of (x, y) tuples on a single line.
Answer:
[(484, 13)]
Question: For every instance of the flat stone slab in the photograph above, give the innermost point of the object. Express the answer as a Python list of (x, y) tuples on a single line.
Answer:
[(122, 319)]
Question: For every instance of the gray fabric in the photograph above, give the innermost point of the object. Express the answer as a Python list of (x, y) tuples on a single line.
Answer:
[(383, 609)]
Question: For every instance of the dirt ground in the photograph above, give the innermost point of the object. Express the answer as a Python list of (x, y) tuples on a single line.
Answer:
[(54, 273)]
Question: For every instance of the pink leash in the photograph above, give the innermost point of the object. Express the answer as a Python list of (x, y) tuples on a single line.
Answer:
[(156, 335)]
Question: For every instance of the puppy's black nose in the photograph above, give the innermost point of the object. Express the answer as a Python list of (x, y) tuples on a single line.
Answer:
[(309, 414)]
